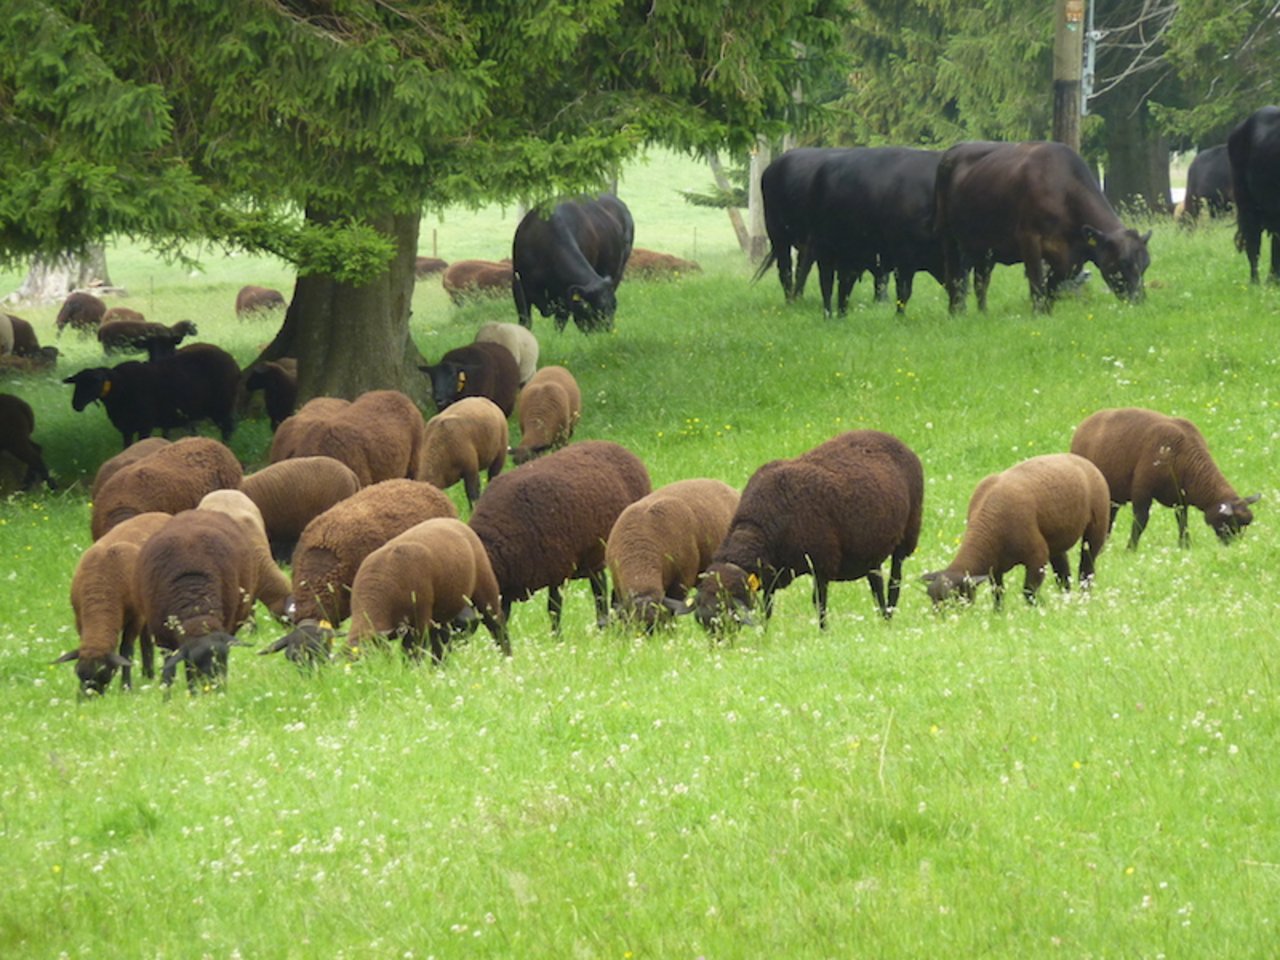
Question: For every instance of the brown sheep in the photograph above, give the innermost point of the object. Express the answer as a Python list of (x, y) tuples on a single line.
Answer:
[(81, 311), (378, 435), (519, 340), (427, 266), (292, 493), (651, 265), (171, 479), (273, 585), (108, 606), (197, 579), (139, 336), (660, 545), (465, 279), (251, 299), (1029, 515), (17, 423), (131, 454), (548, 522), (419, 584), (1148, 456), (333, 545), (460, 441), (836, 512), (121, 315), (549, 408)]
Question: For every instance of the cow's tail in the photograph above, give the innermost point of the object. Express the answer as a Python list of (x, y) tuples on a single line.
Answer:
[(770, 259)]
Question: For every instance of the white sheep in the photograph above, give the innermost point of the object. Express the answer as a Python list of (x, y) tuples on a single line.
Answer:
[(520, 341), (1029, 515)]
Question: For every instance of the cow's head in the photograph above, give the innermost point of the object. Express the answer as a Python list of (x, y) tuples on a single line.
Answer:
[(593, 304), (91, 384), (1122, 258), (1230, 517)]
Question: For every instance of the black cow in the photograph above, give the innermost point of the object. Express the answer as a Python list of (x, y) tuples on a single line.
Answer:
[(570, 262), (873, 210), (1208, 183), (1033, 203), (1254, 149)]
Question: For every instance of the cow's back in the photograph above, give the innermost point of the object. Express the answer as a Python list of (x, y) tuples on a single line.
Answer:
[(1254, 149)]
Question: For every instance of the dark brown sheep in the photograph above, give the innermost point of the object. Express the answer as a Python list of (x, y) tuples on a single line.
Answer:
[(278, 381), (251, 299), (836, 512), (1029, 515), (121, 314), (172, 479), (652, 265), (1148, 456), (17, 423), (378, 435), (483, 369), (138, 336), (108, 606), (428, 266), (130, 454), (466, 279), (548, 521), (80, 311)]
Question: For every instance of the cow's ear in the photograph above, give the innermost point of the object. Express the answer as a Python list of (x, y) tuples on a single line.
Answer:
[(575, 294)]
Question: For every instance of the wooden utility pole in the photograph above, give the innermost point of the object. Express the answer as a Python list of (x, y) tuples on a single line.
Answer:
[(1068, 69)]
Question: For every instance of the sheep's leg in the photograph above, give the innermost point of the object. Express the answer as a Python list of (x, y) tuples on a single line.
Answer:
[(471, 484), (437, 636), (497, 629), (1086, 565), (600, 593), (875, 580), (555, 604), (1034, 577), (1184, 538), (820, 601), (147, 653), (1061, 569), (1141, 513), (997, 589), (895, 584), (127, 638), (1115, 508)]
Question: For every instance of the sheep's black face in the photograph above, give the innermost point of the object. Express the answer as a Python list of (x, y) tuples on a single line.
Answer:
[(1230, 517), (1123, 258), (95, 675), (725, 597), (90, 385), (205, 657), (943, 587)]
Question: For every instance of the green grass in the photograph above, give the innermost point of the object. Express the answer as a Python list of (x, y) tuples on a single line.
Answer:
[(1094, 776)]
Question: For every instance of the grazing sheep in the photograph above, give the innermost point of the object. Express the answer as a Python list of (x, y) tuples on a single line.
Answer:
[(333, 545), (426, 266), (459, 442), (22, 338), (171, 479), (292, 493), (17, 423), (278, 381), (199, 382), (130, 454), (1148, 456), (1030, 514), (251, 299), (81, 311), (519, 340), (419, 584), (481, 369), (108, 606), (378, 435), (652, 265), (7, 335), (121, 314), (661, 543), (139, 336), (549, 521), (549, 408), (197, 579), (465, 279), (836, 512), (273, 585)]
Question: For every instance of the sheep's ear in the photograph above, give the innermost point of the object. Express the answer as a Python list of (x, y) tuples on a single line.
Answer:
[(276, 647), (1253, 499), (171, 666), (118, 661), (428, 369), (929, 577), (68, 656), (976, 578), (678, 608)]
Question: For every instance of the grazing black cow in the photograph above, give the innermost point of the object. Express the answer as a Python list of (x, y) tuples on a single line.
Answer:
[(873, 210), (1033, 203), (1208, 183), (569, 263), (1254, 149)]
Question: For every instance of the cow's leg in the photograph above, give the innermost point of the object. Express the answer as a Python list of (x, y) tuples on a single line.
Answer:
[(848, 277), (1250, 235), (882, 274), (982, 279), (783, 256), (804, 263), (903, 281), (955, 277), (522, 302), (1275, 259), (1033, 262), (826, 277)]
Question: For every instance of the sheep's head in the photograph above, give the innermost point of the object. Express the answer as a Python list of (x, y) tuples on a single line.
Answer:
[(1122, 257), (725, 598), (95, 673), (308, 644), (943, 586), (449, 380), (91, 384), (1230, 517), (205, 657)]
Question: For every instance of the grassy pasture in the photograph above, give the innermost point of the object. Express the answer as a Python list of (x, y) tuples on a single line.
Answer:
[(1086, 777)]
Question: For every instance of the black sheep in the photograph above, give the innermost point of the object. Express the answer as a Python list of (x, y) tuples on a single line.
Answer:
[(548, 521), (836, 512), (17, 421), (278, 381), (138, 336), (197, 383), (483, 369)]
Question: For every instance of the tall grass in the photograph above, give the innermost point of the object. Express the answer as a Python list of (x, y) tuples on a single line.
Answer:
[(1092, 776)]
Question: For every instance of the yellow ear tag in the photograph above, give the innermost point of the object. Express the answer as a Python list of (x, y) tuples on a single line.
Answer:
[(462, 379), (753, 582), (106, 388), (324, 625), (576, 298)]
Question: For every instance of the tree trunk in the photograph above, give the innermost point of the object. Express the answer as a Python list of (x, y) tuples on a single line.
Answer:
[(1137, 166), (735, 215), (50, 280), (350, 339), (758, 239)]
